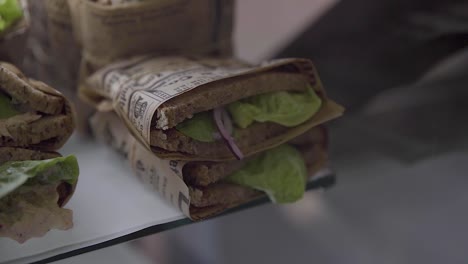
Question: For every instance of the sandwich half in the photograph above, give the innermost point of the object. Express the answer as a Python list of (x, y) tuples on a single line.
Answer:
[(211, 109), (32, 114), (237, 117), (280, 173), (202, 189), (34, 186)]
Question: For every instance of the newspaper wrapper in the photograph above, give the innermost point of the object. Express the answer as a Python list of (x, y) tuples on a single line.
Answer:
[(120, 30), (13, 41), (162, 175), (136, 88)]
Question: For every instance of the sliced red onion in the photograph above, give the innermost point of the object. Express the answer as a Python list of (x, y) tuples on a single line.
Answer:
[(227, 122), (225, 128)]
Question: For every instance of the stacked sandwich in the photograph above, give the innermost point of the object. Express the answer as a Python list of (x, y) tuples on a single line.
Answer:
[(211, 134), (35, 181)]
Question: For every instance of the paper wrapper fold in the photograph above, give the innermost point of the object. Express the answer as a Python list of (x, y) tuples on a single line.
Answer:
[(162, 175), (136, 88), (111, 32)]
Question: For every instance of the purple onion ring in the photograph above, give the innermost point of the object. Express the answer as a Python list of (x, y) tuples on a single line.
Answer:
[(224, 124)]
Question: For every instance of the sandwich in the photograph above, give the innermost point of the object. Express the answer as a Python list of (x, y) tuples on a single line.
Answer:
[(212, 109), (34, 186), (191, 21), (212, 134), (35, 181), (236, 118), (281, 173), (32, 115), (203, 189)]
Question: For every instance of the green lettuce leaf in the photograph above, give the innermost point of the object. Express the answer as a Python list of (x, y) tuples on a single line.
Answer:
[(14, 174), (31, 211), (10, 12), (280, 172), (28, 197), (6, 107), (285, 108), (200, 127)]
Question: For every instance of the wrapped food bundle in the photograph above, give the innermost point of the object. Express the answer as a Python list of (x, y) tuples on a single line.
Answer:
[(109, 30), (211, 134), (14, 24), (202, 189), (35, 181)]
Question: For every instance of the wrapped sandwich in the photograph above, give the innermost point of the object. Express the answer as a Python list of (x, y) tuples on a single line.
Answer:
[(109, 30), (33, 114), (35, 181), (201, 189), (211, 109), (212, 134), (34, 186)]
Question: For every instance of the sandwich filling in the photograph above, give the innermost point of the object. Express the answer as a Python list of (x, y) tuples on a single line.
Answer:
[(31, 196), (7, 108), (14, 117), (287, 109), (280, 172), (10, 12), (32, 114)]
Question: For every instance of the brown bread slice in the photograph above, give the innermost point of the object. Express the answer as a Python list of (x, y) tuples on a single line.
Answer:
[(205, 173), (248, 140), (221, 193), (34, 95), (20, 154), (174, 141), (216, 94), (46, 133)]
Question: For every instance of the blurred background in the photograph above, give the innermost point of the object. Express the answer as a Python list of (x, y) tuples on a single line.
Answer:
[(401, 69)]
